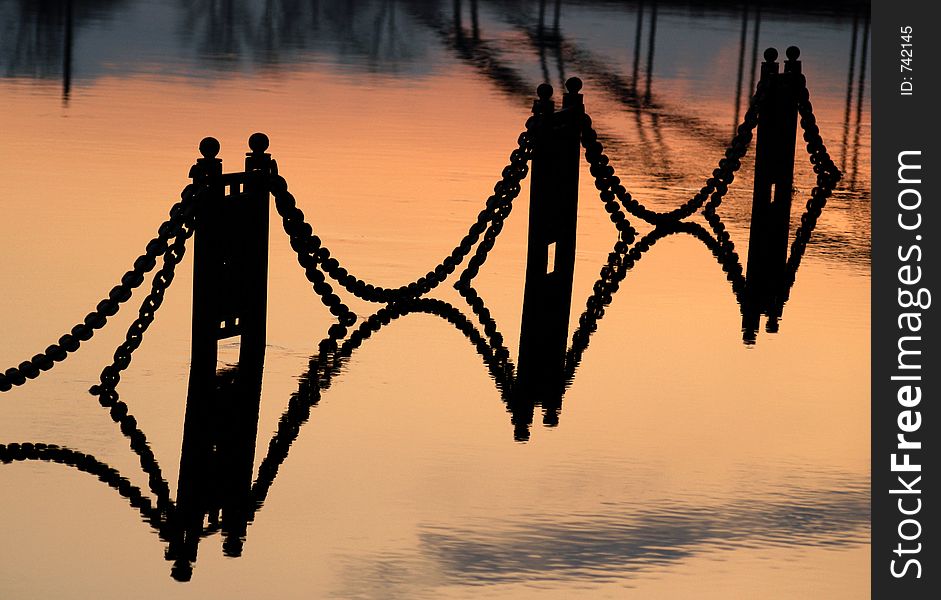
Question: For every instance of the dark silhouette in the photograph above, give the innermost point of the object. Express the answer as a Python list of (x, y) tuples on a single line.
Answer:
[(774, 175), (741, 68), (227, 214), (231, 238), (626, 538), (230, 272), (396, 36), (40, 39), (216, 463), (860, 92)]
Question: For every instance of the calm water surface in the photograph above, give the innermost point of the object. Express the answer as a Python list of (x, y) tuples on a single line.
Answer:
[(686, 464)]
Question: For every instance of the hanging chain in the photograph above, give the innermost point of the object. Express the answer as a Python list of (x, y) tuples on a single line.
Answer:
[(611, 190)]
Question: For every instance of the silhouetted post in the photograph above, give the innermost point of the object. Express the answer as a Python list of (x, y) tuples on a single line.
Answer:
[(230, 274), (207, 242), (254, 244), (741, 68), (774, 177), (651, 45), (550, 261), (637, 37)]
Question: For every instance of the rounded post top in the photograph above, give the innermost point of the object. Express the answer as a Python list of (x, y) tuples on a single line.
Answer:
[(573, 85), (209, 147), (258, 142), (793, 52), (771, 55), (544, 91)]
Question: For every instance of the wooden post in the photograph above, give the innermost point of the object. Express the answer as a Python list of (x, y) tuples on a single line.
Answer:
[(550, 261), (254, 245), (206, 245), (230, 292), (774, 177)]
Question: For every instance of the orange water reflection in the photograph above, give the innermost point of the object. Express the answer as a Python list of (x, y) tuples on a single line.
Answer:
[(684, 461)]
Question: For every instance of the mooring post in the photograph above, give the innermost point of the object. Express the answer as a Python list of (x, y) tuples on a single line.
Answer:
[(774, 177), (207, 241), (550, 260), (193, 488), (230, 292), (258, 168)]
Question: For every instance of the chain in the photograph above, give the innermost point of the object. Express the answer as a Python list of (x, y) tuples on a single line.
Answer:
[(620, 261), (327, 364), (86, 464), (108, 307), (625, 255), (317, 259), (111, 375)]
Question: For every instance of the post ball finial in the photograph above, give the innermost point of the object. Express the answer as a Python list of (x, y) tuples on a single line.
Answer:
[(793, 52), (209, 147), (771, 55), (573, 85), (258, 142), (544, 91)]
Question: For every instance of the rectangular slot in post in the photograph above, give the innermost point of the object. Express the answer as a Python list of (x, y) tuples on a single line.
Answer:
[(550, 259)]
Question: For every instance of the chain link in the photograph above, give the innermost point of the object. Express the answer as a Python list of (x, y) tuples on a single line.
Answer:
[(317, 259), (625, 255), (611, 190), (108, 307), (621, 260)]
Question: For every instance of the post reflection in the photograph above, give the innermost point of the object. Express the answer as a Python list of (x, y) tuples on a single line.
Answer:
[(216, 492), (216, 463)]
